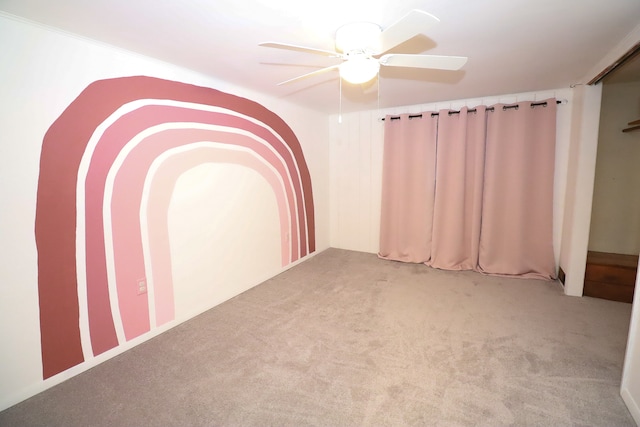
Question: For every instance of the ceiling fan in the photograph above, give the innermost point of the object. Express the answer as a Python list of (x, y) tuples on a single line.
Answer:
[(362, 47)]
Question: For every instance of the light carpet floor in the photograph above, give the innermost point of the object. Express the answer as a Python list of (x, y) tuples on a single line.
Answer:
[(347, 339)]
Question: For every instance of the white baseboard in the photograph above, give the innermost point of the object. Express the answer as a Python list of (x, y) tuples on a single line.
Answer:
[(632, 405)]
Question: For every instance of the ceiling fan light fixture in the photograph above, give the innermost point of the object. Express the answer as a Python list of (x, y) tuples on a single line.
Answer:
[(359, 70)]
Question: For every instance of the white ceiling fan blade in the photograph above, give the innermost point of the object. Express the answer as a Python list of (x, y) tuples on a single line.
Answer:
[(300, 49), (313, 73), (438, 62), (410, 25)]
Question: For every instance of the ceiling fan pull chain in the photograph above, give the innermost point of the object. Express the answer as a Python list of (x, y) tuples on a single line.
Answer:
[(378, 83), (340, 106)]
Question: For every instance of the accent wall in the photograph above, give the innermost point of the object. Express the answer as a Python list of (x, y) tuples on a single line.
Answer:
[(137, 195), (107, 172)]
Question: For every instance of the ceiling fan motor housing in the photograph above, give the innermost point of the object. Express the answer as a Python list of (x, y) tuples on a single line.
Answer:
[(360, 37)]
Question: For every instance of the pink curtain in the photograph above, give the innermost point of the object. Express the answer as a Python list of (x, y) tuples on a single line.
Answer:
[(517, 216), (458, 196), (471, 190), (408, 180)]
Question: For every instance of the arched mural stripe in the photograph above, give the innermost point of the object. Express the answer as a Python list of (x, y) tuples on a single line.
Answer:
[(128, 181), (62, 150), (114, 138), (134, 105), (162, 176), (239, 123)]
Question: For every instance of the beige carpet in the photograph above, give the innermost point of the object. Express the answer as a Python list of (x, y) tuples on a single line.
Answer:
[(347, 339)]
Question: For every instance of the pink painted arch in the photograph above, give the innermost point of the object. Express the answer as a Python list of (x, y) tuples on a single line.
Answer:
[(125, 212), (114, 143), (63, 150), (158, 200)]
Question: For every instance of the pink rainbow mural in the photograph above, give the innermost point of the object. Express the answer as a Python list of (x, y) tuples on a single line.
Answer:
[(107, 170)]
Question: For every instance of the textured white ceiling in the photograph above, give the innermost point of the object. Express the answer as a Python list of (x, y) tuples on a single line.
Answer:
[(513, 45)]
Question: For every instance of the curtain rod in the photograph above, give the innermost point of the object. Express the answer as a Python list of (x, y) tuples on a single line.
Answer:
[(473, 110)]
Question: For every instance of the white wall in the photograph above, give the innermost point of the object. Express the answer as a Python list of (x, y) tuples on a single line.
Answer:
[(630, 387), (356, 167), (356, 176), (583, 143), (615, 217), (41, 72)]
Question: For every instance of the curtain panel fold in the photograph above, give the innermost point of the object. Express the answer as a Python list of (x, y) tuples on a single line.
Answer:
[(458, 195), (517, 217), (471, 190), (408, 185)]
